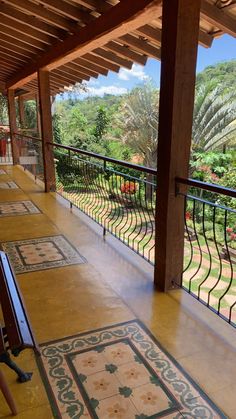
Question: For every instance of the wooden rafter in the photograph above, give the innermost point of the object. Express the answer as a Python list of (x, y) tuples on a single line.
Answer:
[(26, 39), (30, 21), (218, 17), (118, 21), (142, 46), (23, 29), (126, 52)]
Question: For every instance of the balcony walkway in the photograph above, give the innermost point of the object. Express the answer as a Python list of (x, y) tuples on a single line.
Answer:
[(114, 286)]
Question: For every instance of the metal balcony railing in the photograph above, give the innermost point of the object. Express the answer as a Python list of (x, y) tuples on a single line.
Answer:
[(210, 246), (117, 195), (30, 154)]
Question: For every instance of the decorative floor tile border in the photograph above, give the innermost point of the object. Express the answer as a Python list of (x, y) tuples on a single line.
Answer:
[(15, 208), (119, 372), (41, 253), (8, 185)]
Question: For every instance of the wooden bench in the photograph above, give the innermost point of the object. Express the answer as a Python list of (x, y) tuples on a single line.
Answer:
[(16, 333)]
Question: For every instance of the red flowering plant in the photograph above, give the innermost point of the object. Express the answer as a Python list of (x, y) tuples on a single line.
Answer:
[(188, 215), (231, 234), (129, 187)]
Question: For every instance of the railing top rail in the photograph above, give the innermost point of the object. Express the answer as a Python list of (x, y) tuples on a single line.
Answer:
[(106, 159), (27, 136), (207, 186)]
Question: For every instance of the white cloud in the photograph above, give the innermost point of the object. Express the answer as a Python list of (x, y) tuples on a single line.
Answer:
[(136, 71), (102, 90)]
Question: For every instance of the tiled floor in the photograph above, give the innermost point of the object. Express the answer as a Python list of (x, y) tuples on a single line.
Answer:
[(41, 253), (113, 286), (8, 209), (119, 372)]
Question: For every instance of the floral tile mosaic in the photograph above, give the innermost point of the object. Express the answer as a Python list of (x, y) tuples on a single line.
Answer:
[(8, 185), (42, 253), (2, 172), (17, 208), (119, 372)]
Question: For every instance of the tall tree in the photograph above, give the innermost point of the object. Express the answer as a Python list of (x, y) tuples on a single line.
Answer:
[(140, 120)]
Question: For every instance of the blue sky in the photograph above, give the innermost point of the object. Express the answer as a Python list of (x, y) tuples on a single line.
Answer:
[(223, 49)]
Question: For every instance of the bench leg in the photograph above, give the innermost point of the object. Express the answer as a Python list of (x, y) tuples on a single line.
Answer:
[(22, 376), (7, 394)]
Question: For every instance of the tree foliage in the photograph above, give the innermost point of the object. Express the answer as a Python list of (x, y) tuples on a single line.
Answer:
[(140, 120)]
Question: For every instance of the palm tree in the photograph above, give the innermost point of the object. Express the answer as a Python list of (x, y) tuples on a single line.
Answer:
[(214, 119), (140, 120)]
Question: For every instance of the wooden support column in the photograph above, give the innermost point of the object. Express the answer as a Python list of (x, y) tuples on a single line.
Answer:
[(21, 111), (46, 129), (180, 28), (12, 125)]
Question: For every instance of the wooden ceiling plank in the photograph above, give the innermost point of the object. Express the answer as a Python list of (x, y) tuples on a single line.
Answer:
[(102, 62), (25, 30), (98, 5), (82, 70), (66, 73), (218, 17), (118, 21), (66, 9), (141, 46), (113, 58), (74, 73), (13, 47), (126, 52), (91, 66), (30, 21), (24, 39), (13, 56), (54, 75), (43, 13), (6, 64), (18, 43)]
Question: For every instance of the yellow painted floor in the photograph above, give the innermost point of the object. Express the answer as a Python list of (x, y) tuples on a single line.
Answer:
[(114, 286)]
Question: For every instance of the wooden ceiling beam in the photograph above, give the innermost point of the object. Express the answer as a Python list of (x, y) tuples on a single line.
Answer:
[(102, 62), (205, 39), (72, 72), (141, 46), (113, 58), (94, 5), (18, 43), (66, 9), (30, 21), (24, 39), (25, 30), (121, 19), (54, 75), (154, 34), (4, 63), (82, 70), (21, 51), (126, 52), (218, 17), (12, 56), (90, 66), (66, 73), (44, 14)]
